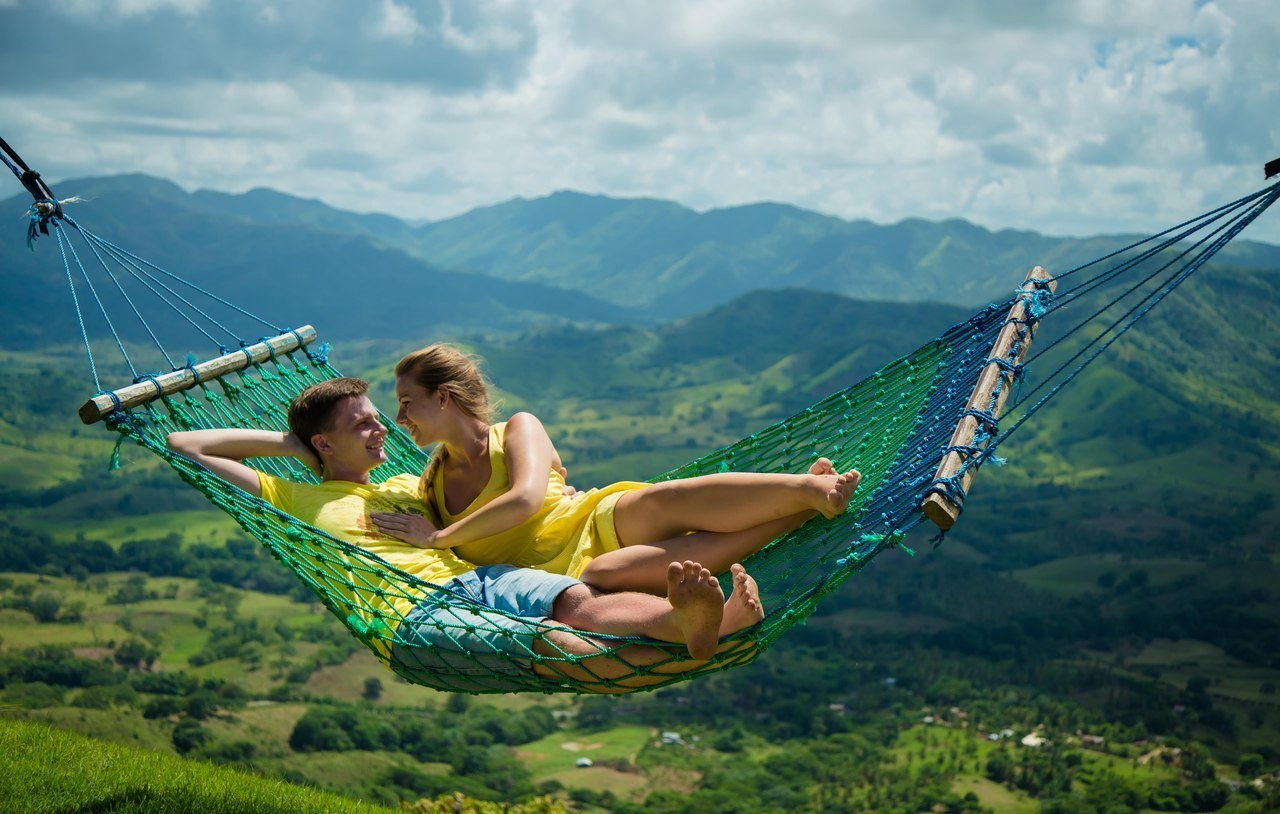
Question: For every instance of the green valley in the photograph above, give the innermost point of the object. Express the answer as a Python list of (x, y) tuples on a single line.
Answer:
[(1099, 633)]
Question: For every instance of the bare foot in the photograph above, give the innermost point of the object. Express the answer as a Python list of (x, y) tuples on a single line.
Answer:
[(822, 466), (698, 603), (743, 608), (840, 495), (832, 493)]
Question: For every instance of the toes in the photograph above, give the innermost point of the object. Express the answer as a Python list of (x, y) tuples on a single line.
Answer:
[(674, 572), (822, 466)]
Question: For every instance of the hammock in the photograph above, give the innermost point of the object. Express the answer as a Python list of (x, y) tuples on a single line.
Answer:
[(918, 429)]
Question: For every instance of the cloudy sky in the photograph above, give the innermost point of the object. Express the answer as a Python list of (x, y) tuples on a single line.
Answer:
[(1064, 117)]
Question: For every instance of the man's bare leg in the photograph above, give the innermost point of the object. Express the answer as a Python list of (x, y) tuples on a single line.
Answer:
[(698, 602), (642, 567), (691, 614), (602, 667)]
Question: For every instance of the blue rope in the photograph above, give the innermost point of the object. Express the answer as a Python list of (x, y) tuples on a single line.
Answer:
[(1207, 216), (75, 302), (129, 300), (185, 282), (1101, 279), (13, 167), (1182, 277), (1224, 234), (146, 280)]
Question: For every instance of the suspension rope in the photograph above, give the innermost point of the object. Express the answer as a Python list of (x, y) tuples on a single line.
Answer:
[(1091, 284), (1211, 214), (105, 315), (189, 284), (129, 300), (1179, 279), (146, 279), (1117, 300), (75, 302)]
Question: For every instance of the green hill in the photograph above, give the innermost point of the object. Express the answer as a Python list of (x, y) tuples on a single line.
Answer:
[(291, 273), (1118, 575), (52, 770), (567, 257)]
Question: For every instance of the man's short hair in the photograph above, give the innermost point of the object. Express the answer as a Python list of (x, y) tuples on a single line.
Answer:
[(311, 411)]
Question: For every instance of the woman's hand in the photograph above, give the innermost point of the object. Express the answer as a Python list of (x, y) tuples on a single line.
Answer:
[(411, 528), (569, 491)]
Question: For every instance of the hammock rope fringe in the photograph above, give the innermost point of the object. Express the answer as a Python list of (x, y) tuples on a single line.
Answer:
[(896, 426)]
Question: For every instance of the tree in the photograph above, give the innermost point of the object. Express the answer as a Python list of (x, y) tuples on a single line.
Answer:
[(134, 589), (189, 735), (201, 704), (372, 689), (458, 703), (319, 731), (44, 606), (595, 714), (1250, 765), (134, 653)]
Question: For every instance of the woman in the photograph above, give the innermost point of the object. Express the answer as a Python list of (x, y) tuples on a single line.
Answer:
[(499, 492)]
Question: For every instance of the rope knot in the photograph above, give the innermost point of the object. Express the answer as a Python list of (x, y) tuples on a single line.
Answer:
[(42, 211), (320, 355), (1037, 301), (150, 377)]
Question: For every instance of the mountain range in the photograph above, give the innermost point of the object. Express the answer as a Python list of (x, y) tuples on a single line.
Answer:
[(564, 258)]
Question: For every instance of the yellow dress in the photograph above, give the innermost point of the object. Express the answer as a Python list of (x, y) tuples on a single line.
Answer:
[(565, 535)]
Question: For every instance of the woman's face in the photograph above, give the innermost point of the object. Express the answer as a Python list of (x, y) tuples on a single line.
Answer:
[(420, 411)]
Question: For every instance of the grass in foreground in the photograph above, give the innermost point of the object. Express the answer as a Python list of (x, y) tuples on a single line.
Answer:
[(48, 770)]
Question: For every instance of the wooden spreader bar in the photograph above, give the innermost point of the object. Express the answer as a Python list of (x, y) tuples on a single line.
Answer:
[(937, 507), (99, 407)]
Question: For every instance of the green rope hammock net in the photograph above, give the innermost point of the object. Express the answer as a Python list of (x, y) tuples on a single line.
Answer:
[(878, 425), (895, 426)]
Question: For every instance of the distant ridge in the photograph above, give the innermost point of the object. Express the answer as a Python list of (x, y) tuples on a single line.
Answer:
[(566, 257), (292, 261)]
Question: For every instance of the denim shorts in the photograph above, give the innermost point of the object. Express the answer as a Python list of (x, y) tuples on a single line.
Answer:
[(453, 645)]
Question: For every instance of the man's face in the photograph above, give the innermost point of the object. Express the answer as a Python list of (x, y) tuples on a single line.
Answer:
[(355, 440)]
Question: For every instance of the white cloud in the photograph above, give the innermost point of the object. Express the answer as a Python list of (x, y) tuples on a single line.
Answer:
[(397, 22), (126, 8), (1065, 118)]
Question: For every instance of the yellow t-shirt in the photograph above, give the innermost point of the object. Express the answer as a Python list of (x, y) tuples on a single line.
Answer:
[(342, 508)]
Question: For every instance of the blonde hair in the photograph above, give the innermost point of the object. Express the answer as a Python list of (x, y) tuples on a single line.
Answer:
[(444, 368)]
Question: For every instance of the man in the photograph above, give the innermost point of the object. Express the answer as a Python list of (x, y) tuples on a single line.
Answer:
[(335, 430)]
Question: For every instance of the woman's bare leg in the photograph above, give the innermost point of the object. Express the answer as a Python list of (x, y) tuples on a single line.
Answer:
[(644, 567), (726, 502)]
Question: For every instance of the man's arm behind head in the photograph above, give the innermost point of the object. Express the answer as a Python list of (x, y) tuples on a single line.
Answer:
[(222, 452)]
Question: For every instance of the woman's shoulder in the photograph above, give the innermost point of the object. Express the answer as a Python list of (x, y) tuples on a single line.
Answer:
[(523, 421)]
